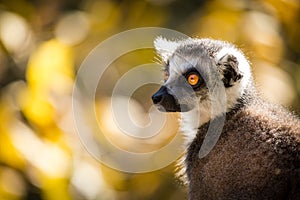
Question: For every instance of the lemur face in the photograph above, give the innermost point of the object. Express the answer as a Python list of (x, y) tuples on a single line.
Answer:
[(193, 70), (184, 85)]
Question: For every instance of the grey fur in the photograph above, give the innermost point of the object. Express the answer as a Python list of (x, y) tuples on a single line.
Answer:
[(258, 153)]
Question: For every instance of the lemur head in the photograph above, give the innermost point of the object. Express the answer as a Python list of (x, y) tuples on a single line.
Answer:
[(194, 68)]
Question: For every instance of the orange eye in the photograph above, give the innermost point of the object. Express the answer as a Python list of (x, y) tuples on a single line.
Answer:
[(193, 79)]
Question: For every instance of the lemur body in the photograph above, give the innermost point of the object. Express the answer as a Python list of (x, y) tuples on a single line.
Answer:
[(257, 155)]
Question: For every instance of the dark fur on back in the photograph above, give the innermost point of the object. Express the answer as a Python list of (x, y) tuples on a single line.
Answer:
[(256, 157)]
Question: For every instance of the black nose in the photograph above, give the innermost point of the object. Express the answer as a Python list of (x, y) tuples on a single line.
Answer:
[(157, 97)]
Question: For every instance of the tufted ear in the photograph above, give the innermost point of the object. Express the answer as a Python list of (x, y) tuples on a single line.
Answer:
[(229, 67), (165, 48)]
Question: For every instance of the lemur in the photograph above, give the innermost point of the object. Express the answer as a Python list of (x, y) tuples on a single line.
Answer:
[(257, 155)]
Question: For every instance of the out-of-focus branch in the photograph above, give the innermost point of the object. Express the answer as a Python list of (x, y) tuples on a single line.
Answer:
[(12, 72)]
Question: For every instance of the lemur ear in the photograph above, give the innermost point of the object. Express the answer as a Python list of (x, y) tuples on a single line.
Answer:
[(229, 67), (165, 48)]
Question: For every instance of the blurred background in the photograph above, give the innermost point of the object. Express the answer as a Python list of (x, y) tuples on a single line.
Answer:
[(43, 43)]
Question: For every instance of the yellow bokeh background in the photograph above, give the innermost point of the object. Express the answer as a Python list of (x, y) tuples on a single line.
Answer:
[(43, 43)]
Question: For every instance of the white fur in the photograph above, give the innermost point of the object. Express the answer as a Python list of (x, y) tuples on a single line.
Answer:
[(189, 125), (165, 48), (234, 92), (192, 120)]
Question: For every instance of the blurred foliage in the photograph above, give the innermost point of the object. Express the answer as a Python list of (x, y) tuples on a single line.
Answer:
[(43, 42)]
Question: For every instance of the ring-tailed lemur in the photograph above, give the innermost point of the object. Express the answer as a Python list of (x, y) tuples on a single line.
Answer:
[(257, 155)]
